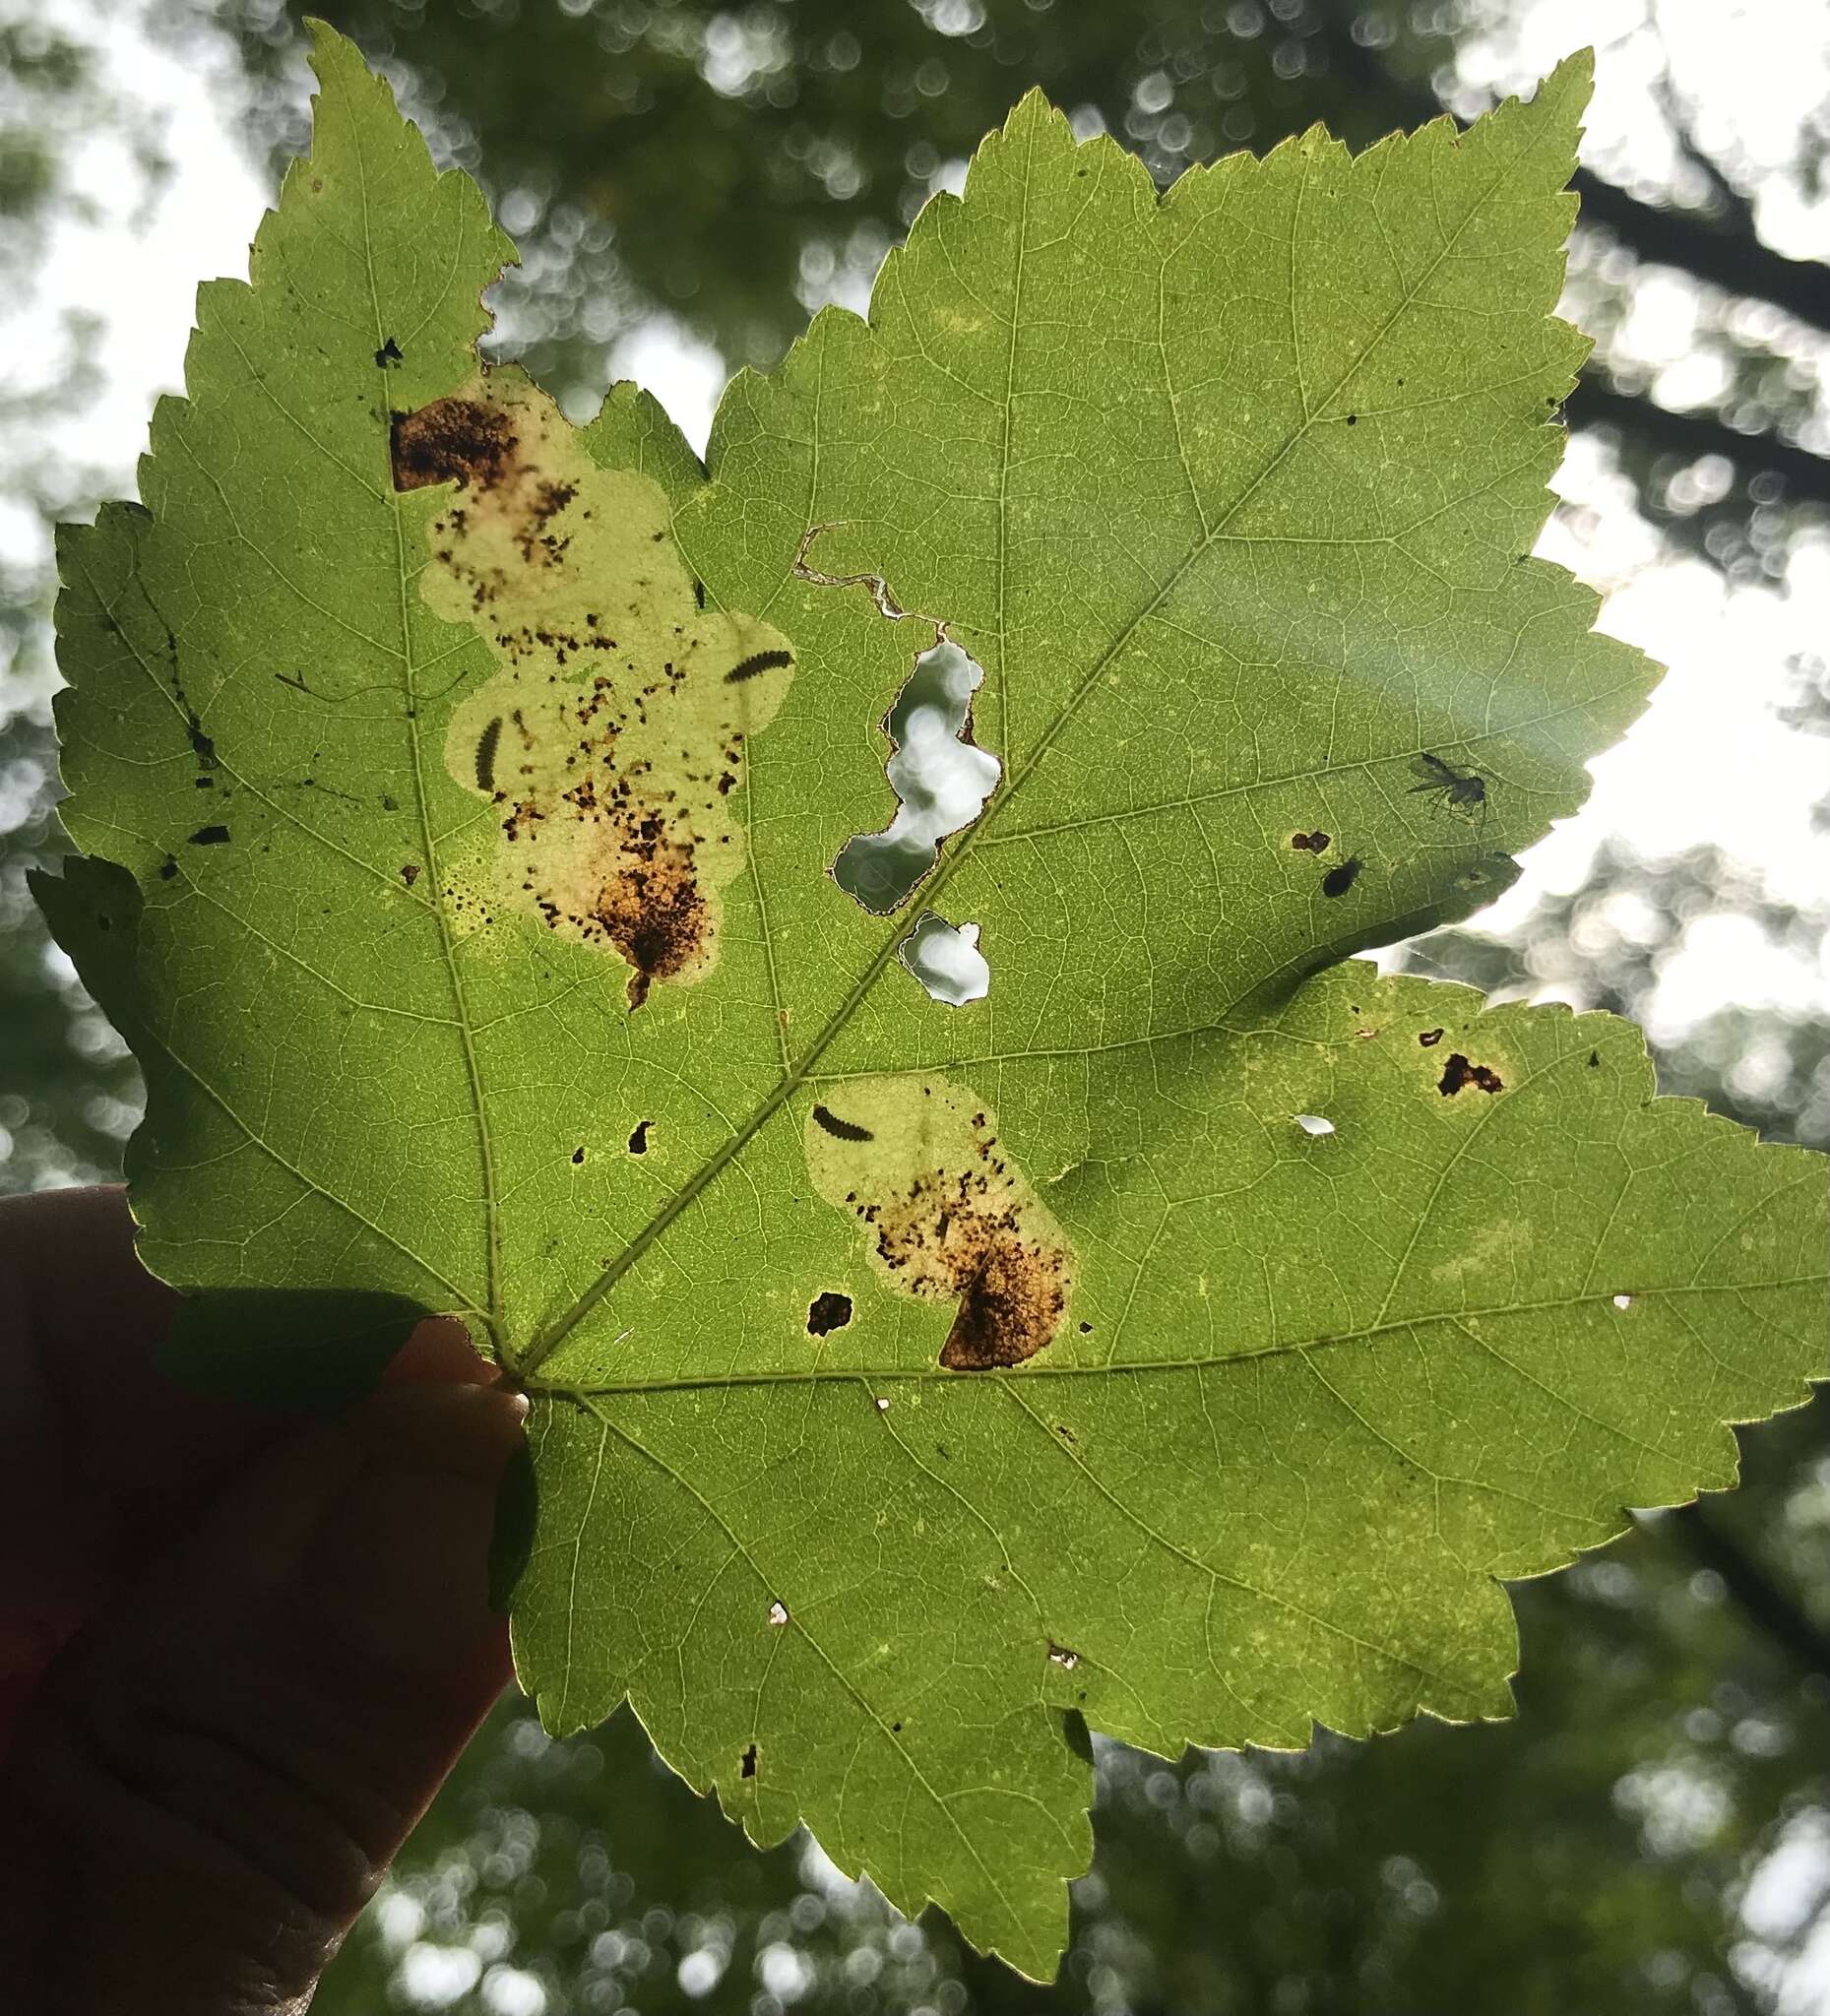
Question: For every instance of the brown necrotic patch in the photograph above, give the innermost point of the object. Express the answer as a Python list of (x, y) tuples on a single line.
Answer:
[(1459, 1072), (466, 441), (609, 739), (947, 1217)]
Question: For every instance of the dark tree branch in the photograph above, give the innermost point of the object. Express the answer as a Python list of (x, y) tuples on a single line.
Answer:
[(1739, 265), (1735, 261), (1595, 403), (1759, 1597)]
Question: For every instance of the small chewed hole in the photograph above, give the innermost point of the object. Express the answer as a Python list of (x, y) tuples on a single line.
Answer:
[(1623, 1301), (1313, 1123), (777, 1614), (746, 1764), (638, 1141), (946, 960), (828, 1311), (940, 777), (1062, 1655)]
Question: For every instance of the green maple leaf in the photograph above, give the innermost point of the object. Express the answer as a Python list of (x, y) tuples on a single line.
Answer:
[(1192, 1333)]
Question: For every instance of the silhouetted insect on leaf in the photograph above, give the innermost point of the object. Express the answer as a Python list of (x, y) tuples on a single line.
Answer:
[(840, 1130), (1459, 790), (1337, 881), (486, 755), (757, 662)]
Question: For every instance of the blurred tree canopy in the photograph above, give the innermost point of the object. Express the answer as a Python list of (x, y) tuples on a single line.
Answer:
[(735, 167), (1648, 1834)]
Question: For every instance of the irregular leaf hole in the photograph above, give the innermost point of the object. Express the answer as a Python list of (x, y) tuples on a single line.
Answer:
[(1623, 1301), (1062, 1655), (828, 1311), (940, 777), (746, 1764), (638, 1141), (778, 1614), (1459, 1072), (947, 960)]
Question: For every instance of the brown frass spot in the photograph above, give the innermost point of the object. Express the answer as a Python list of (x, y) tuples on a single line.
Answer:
[(452, 440), (829, 1122), (828, 1311), (409, 874), (758, 662), (1315, 843), (1009, 1308), (1459, 1072), (653, 910)]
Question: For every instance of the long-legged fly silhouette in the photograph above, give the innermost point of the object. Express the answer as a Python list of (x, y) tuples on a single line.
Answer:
[(1460, 791)]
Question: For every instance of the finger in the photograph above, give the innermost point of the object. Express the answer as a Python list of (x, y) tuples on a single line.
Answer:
[(81, 1318), (231, 1755), (103, 1458), (98, 1452)]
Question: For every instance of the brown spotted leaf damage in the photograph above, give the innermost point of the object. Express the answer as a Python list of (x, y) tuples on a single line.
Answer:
[(611, 738), (946, 1214), (1459, 1072)]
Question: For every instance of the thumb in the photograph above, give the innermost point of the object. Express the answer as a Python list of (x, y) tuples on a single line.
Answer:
[(212, 1778)]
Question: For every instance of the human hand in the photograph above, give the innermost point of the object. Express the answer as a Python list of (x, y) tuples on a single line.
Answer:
[(238, 1656)]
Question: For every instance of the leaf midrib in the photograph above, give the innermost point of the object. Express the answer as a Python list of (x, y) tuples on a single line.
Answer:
[(1042, 1368), (550, 1335)]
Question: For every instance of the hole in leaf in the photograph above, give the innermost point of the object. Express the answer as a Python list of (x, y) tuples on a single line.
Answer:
[(1458, 1072), (828, 1311), (940, 777), (777, 1614), (1623, 1301), (638, 1141), (947, 960), (746, 1766), (1062, 1655)]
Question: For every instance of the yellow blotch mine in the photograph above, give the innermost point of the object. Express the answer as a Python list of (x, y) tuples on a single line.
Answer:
[(613, 735), (917, 1163)]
